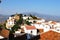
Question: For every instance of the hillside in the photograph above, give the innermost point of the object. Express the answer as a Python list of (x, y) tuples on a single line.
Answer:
[(46, 17), (3, 17)]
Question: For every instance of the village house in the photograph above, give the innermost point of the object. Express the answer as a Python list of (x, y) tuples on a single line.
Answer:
[(10, 22), (36, 20), (40, 25), (27, 17), (30, 30), (46, 26)]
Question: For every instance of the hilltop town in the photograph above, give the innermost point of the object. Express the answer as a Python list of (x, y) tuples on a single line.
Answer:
[(19, 24)]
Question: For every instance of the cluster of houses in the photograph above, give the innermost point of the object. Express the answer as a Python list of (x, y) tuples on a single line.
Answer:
[(38, 26)]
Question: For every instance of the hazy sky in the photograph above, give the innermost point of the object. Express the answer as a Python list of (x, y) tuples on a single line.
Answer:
[(49, 7)]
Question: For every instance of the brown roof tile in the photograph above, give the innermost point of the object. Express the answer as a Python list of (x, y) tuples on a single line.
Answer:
[(28, 27), (4, 33), (50, 35)]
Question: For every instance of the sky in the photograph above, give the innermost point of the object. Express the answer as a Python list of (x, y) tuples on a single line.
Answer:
[(49, 7)]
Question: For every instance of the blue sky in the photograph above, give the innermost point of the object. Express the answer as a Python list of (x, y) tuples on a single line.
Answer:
[(49, 7)]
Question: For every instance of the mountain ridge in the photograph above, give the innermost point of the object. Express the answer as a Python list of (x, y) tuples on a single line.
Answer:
[(3, 17), (44, 16)]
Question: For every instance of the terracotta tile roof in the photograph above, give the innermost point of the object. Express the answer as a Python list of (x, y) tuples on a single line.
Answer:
[(28, 27), (52, 22), (38, 23), (50, 35), (4, 33)]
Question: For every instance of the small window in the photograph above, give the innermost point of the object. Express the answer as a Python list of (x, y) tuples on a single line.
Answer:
[(58, 30), (31, 32)]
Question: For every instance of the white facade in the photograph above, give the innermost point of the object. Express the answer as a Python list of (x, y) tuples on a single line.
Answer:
[(10, 23), (40, 21), (1, 37), (37, 21), (26, 17), (34, 32), (30, 31), (46, 28), (42, 26), (38, 26)]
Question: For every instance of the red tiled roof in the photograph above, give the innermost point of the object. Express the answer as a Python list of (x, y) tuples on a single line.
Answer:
[(28, 27), (50, 35), (4, 33), (53, 22)]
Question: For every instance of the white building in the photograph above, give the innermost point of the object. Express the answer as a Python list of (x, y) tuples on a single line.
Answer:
[(38, 26), (30, 30), (26, 17), (44, 26), (1, 37), (37, 20), (10, 23)]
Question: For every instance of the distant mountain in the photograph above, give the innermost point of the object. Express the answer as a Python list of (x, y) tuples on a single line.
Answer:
[(46, 17), (3, 17)]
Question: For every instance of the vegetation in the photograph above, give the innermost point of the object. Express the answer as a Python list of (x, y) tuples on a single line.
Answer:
[(31, 15), (17, 24), (4, 25), (34, 21), (20, 21), (0, 26), (28, 18), (34, 17), (14, 28), (28, 23), (24, 15)]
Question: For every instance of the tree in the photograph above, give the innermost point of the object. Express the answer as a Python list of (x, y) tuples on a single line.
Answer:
[(28, 23), (34, 21), (1, 26), (28, 18), (31, 15), (14, 28), (34, 17), (20, 21), (21, 15), (24, 15)]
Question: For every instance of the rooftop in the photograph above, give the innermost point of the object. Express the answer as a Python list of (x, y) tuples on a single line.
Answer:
[(28, 27)]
